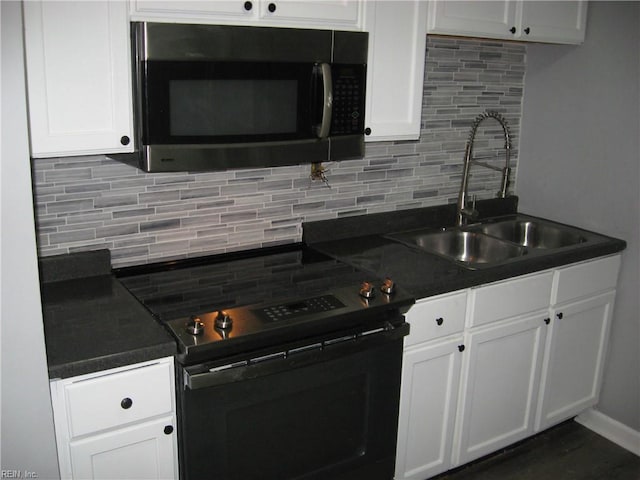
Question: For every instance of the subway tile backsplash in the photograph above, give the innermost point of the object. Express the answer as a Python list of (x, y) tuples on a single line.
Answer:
[(87, 203)]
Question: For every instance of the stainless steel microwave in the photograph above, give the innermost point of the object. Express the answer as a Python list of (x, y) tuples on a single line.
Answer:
[(212, 97)]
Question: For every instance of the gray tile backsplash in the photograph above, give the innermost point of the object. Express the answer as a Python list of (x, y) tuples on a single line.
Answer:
[(87, 203)]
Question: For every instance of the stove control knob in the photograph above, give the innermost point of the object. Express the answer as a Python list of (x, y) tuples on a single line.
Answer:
[(195, 326), (367, 290), (388, 287), (223, 320)]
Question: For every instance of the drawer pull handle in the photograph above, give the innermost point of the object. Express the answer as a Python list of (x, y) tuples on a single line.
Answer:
[(126, 403), (168, 430), (439, 320)]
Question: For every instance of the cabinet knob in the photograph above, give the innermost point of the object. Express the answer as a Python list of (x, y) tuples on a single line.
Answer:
[(527, 30), (461, 348), (248, 6), (512, 29), (547, 321), (126, 403), (439, 320), (124, 140), (168, 430), (367, 131), (559, 315), (272, 7)]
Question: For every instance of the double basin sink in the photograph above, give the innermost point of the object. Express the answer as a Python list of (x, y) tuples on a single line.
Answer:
[(495, 241)]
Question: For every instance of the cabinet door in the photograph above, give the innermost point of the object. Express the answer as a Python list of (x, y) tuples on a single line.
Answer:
[(553, 21), (118, 454), (333, 13), (395, 70), (492, 19), (430, 377), (501, 373), (435, 317), (576, 347), (78, 76), (185, 9)]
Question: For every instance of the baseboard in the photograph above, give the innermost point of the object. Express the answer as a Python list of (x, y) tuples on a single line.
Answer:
[(611, 429)]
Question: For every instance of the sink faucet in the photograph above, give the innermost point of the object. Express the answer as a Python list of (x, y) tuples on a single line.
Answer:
[(463, 211)]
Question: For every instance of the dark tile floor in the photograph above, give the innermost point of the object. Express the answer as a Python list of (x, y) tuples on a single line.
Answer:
[(568, 451)]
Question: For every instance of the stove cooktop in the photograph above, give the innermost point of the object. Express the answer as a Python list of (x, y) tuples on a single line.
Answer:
[(247, 303)]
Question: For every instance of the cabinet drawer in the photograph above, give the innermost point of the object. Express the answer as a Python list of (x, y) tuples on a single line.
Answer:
[(119, 398), (586, 279), (511, 298), (436, 317)]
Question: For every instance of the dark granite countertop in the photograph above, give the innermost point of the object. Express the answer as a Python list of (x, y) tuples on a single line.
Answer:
[(91, 322), (424, 274)]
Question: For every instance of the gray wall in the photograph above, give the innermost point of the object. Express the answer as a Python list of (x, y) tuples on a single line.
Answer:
[(579, 163), (94, 202), (27, 435)]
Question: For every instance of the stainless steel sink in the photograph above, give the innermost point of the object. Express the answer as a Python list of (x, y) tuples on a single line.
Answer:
[(473, 249), (532, 234), (497, 241)]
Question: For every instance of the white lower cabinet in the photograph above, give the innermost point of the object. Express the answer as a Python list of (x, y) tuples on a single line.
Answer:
[(522, 355), (499, 388), (117, 424), (430, 380), (583, 300), (505, 335), (576, 351), (143, 451), (430, 383)]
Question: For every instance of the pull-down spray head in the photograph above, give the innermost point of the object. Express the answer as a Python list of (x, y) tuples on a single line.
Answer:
[(468, 159)]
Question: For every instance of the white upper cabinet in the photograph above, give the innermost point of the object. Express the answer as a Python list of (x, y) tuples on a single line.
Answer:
[(536, 21), (325, 12), (395, 76), (472, 18), (552, 22), (336, 14), (220, 10), (78, 77)]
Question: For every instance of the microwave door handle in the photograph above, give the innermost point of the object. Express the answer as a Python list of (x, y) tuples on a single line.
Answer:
[(327, 103)]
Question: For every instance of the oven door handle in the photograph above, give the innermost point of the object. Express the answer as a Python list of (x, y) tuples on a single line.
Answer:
[(282, 361)]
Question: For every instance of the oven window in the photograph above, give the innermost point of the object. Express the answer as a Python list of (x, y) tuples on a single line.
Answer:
[(232, 107)]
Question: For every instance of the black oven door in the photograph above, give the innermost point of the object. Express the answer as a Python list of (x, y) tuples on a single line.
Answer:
[(323, 412)]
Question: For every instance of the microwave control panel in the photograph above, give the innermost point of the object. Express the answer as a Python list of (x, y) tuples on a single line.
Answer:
[(348, 100)]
